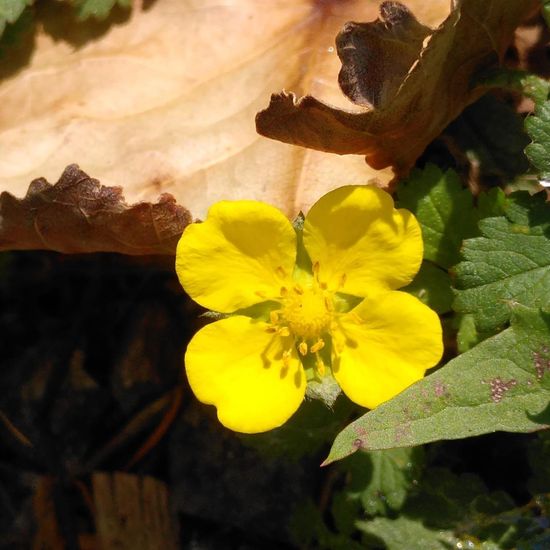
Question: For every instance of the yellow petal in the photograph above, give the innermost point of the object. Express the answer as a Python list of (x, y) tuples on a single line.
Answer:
[(237, 366), (241, 255), (386, 343), (361, 242)]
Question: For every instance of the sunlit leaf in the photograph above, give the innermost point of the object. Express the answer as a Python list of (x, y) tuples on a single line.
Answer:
[(509, 263), (503, 384)]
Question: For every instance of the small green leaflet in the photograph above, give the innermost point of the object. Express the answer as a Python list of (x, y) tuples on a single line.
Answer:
[(509, 263), (503, 384), (381, 480), (99, 9), (444, 209), (11, 10)]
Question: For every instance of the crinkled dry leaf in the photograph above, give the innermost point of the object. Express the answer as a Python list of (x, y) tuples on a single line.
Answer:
[(164, 102), (77, 214), (413, 103)]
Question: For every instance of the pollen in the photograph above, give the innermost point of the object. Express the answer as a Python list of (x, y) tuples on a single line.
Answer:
[(307, 311)]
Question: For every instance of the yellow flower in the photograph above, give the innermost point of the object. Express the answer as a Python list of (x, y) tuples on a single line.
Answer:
[(305, 305)]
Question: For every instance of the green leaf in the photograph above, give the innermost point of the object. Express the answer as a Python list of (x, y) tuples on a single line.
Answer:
[(381, 480), (546, 11), (99, 9), (432, 285), (503, 384), (408, 533), (510, 263), (444, 209), (11, 10), (493, 137), (525, 83), (538, 128)]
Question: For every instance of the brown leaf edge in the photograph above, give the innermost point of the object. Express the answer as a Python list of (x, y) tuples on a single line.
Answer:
[(79, 215)]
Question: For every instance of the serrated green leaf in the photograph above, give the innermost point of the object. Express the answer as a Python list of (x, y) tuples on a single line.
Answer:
[(509, 263), (98, 9), (381, 480), (503, 384), (443, 208), (432, 285), (11, 10), (538, 128)]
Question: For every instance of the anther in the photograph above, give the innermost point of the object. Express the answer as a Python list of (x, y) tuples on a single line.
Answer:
[(302, 348), (284, 332), (319, 345), (315, 268), (320, 365), (271, 330), (281, 272), (299, 290), (284, 291)]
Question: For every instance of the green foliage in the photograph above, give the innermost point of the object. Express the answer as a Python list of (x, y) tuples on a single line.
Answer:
[(444, 209), (313, 426), (501, 384), (546, 11), (493, 139), (98, 9), (538, 128), (432, 285), (11, 10), (509, 264), (380, 480)]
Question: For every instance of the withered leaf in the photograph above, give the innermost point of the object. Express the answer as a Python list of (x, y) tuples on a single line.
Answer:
[(78, 214), (416, 87), (164, 102)]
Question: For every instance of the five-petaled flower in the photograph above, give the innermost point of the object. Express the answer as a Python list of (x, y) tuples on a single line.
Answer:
[(305, 304)]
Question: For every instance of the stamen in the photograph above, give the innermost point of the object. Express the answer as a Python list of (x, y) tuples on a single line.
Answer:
[(299, 290), (302, 348), (281, 272), (357, 318), (319, 345), (315, 268), (274, 317), (284, 332), (343, 279), (284, 291), (286, 359), (319, 365), (328, 304), (271, 330)]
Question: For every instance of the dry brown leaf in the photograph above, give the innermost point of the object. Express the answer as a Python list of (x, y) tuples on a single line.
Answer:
[(412, 105), (165, 103), (77, 214)]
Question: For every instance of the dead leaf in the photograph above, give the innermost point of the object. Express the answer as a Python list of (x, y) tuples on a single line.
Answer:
[(409, 111), (77, 214), (165, 103), (133, 513)]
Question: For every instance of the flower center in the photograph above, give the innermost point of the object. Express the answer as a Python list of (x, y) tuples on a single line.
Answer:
[(307, 312)]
